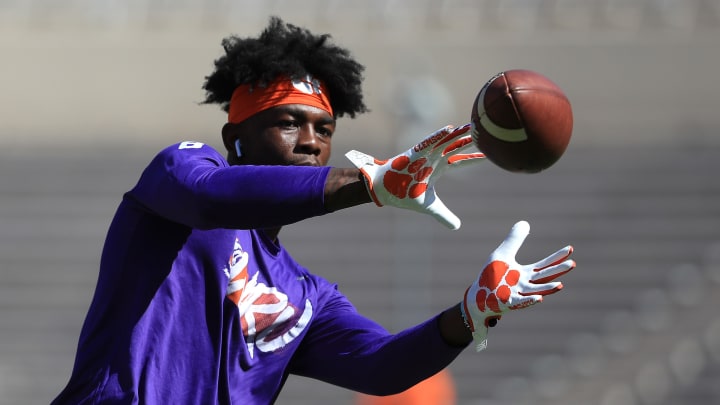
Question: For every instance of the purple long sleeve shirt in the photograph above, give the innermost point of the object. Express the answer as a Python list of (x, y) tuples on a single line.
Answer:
[(194, 304)]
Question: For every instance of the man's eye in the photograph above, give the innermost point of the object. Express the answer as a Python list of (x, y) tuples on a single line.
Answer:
[(325, 132), (287, 124)]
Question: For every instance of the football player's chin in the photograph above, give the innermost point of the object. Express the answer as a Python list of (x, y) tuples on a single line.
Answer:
[(306, 163)]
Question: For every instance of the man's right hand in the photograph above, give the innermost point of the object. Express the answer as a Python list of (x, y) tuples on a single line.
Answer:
[(408, 180)]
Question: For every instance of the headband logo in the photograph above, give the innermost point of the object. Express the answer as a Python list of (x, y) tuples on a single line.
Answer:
[(308, 85)]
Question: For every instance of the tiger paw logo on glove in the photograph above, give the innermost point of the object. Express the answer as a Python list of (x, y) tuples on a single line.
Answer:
[(495, 288), (505, 285), (407, 179)]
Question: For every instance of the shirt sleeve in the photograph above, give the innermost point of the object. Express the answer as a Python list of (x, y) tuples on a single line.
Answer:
[(347, 349), (192, 184)]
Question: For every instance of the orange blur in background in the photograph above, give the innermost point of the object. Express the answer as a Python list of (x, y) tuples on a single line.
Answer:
[(436, 390)]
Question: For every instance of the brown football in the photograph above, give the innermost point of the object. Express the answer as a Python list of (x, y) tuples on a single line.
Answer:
[(522, 121)]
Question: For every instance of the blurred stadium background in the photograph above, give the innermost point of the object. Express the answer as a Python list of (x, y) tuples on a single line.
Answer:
[(91, 89)]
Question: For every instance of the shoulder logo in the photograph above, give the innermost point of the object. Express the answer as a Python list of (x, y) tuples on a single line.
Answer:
[(190, 145)]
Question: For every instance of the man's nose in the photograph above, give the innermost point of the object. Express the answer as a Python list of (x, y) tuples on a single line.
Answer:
[(308, 140)]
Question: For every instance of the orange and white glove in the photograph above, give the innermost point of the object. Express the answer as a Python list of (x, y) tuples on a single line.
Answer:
[(408, 180), (505, 285)]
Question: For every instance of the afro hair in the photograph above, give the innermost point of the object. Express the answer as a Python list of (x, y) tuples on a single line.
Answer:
[(284, 49)]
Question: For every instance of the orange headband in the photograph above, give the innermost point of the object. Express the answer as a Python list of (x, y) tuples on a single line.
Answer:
[(248, 100)]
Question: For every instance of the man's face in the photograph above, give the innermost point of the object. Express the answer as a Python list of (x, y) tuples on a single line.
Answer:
[(294, 134)]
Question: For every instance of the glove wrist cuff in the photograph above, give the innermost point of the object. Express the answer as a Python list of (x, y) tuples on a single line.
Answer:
[(369, 186), (465, 318)]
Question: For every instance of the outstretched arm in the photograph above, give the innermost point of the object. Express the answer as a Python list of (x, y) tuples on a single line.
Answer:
[(344, 348), (347, 349)]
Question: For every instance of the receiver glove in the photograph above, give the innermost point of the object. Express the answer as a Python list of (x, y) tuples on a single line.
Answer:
[(504, 285), (408, 180)]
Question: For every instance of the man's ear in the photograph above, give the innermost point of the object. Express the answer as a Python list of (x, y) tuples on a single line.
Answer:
[(229, 136)]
